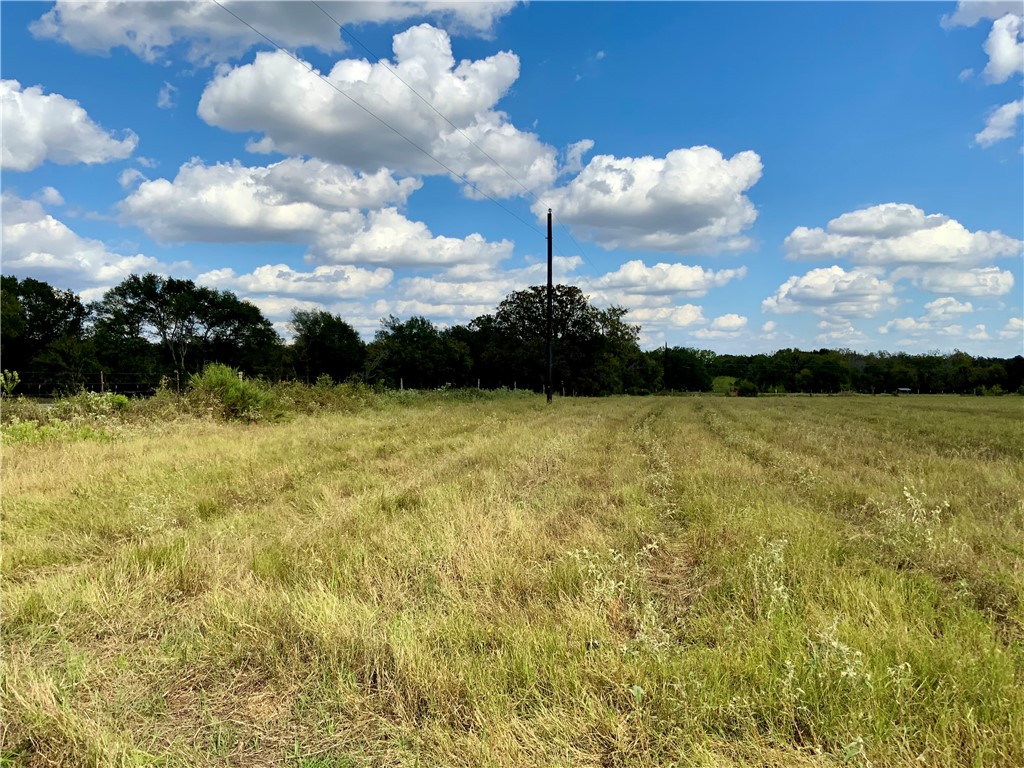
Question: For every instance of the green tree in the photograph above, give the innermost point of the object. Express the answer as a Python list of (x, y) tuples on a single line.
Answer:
[(192, 324), (326, 344), (409, 353), (595, 351), (43, 330)]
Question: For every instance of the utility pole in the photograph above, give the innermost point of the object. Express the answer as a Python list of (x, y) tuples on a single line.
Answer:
[(551, 341)]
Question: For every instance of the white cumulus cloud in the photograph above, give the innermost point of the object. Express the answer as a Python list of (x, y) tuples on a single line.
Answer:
[(38, 245), (51, 196), (230, 202), (979, 281), (149, 29), (298, 113), (683, 279), (1001, 123), (38, 126), (978, 333), (839, 331), (941, 317), (678, 316), (300, 201), (1005, 48), (1013, 329), (728, 326), (690, 200), (832, 291), (324, 282), (970, 12), (895, 234)]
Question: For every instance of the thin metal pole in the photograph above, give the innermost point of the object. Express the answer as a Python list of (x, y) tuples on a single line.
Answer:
[(551, 341)]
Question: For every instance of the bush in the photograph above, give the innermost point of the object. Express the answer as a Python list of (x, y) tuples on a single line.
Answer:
[(23, 409), (221, 391), (294, 396), (745, 388), (723, 385), (90, 405)]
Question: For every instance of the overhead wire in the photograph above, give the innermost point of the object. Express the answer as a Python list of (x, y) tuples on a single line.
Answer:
[(309, 68), (384, 63), (462, 177)]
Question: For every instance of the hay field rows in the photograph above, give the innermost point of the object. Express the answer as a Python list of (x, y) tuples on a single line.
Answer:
[(620, 582)]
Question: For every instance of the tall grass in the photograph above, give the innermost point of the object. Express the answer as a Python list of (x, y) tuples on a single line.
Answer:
[(437, 580)]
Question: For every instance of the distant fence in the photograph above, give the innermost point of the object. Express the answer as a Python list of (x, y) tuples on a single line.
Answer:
[(44, 384)]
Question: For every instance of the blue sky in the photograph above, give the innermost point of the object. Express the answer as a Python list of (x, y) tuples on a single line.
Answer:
[(741, 176)]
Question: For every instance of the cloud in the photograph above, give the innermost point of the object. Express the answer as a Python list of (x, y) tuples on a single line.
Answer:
[(727, 326), (36, 244), (980, 281), (729, 322), (299, 201), (681, 316), (129, 177), (1013, 329), (769, 326), (941, 317), (833, 292), (50, 196), (895, 234), (232, 202), (970, 12), (947, 307), (38, 127), (166, 98), (297, 113), (965, 74), (690, 200), (666, 279), (470, 285), (1005, 49), (978, 333), (839, 331), (387, 237), (574, 155), (324, 282), (1001, 123), (209, 33)]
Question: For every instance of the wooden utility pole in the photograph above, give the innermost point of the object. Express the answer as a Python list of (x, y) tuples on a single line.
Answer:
[(551, 341)]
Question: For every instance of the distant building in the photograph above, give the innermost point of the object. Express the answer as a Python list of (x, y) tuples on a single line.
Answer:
[(903, 391)]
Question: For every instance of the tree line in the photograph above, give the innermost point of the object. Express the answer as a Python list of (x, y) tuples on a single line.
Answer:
[(150, 330)]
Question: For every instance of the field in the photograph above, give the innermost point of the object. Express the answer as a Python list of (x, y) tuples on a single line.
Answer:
[(692, 581)]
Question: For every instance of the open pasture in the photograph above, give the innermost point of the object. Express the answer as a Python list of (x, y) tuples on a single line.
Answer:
[(692, 581)]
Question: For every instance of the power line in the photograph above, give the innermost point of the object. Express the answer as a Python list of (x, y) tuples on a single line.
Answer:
[(384, 63), (462, 177), (382, 121)]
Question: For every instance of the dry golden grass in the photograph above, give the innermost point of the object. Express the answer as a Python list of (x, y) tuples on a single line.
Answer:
[(625, 582)]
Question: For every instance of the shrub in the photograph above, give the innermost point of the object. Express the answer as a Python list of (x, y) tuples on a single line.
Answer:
[(90, 405), (745, 388), (220, 390)]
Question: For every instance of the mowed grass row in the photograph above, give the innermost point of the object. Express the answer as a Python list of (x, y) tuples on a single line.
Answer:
[(632, 581)]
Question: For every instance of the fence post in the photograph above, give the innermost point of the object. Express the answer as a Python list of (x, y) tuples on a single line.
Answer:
[(177, 382), (102, 386)]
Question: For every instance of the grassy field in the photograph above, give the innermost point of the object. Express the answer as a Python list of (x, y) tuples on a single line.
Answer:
[(806, 581)]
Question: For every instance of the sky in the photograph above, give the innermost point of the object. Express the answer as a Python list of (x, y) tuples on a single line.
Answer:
[(741, 177)]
